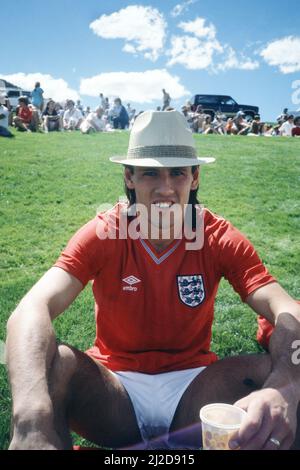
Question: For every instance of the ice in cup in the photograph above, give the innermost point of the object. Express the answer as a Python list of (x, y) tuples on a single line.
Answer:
[(220, 422)]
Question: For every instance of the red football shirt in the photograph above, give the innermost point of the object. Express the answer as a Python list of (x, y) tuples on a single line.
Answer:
[(296, 131), (25, 114), (154, 312)]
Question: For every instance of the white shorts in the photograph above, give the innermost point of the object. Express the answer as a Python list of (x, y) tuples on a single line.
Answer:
[(155, 399)]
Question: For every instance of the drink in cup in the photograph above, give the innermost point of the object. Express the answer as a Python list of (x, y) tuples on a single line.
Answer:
[(220, 422)]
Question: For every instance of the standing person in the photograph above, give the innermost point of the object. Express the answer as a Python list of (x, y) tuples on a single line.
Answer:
[(37, 96), (166, 100), (151, 367), (103, 102)]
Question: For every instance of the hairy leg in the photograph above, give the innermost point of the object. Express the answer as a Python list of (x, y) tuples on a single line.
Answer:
[(88, 399), (225, 381)]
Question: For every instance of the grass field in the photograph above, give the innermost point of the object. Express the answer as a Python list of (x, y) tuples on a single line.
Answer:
[(52, 184)]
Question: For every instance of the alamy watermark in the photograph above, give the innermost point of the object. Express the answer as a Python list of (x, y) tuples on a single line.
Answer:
[(296, 353), (296, 93), (163, 221)]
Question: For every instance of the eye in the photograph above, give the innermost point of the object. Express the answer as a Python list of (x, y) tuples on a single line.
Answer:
[(149, 173), (177, 172)]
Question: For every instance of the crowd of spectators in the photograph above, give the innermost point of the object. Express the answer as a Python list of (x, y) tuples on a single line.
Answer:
[(200, 122), (42, 115)]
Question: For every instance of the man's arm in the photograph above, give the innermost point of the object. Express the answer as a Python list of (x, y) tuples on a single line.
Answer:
[(273, 410), (31, 346)]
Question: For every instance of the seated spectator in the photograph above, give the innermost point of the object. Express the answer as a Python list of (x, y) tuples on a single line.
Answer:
[(7, 104), (27, 118), (218, 124), (119, 115), (296, 129), (256, 126), (240, 125), (199, 117), (79, 106), (51, 121), (186, 111), (268, 130), (72, 116), (130, 111), (286, 128), (207, 126), (282, 117), (132, 119), (4, 115), (87, 111), (93, 122), (229, 126)]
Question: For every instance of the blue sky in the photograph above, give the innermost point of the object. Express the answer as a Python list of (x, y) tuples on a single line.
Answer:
[(249, 50)]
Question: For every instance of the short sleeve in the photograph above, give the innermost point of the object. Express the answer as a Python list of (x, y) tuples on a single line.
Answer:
[(83, 257), (240, 263)]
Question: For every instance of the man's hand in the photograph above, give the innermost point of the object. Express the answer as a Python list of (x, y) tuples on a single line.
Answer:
[(271, 415)]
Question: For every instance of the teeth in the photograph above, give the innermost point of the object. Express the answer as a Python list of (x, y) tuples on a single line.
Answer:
[(163, 205)]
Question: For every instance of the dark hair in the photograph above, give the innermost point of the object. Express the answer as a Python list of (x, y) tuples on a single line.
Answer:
[(23, 99), (193, 200)]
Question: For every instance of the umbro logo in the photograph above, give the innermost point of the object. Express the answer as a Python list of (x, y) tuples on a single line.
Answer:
[(131, 280)]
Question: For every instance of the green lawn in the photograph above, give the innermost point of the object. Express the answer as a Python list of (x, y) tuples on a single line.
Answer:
[(53, 183)]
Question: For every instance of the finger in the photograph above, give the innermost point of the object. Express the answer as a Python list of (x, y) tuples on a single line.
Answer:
[(278, 441), (250, 426), (260, 438)]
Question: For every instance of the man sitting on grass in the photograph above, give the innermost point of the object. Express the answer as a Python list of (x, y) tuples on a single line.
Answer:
[(155, 265), (27, 118)]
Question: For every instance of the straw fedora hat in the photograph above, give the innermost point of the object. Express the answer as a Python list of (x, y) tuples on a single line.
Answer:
[(161, 139)]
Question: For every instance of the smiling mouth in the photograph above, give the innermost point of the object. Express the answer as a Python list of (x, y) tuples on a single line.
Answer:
[(163, 204)]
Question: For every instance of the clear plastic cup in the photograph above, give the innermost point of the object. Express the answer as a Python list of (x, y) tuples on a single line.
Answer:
[(220, 422)]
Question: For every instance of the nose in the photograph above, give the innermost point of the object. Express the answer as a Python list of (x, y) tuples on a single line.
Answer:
[(165, 186)]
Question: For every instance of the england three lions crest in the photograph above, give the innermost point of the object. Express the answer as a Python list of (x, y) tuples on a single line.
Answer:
[(191, 289)]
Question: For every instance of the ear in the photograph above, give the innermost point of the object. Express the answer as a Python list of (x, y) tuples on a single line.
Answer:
[(128, 178), (196, 177)]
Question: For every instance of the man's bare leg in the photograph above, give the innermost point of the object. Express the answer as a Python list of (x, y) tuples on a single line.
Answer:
[(88, 399), (225, 381)]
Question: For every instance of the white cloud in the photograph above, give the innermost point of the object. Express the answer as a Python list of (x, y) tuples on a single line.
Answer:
[(201, 49), (283, 53), (55, 88), (197, 51), (143, 28), (139, 87), (181, 8), (233, 62), (198, 28), (193, 53)]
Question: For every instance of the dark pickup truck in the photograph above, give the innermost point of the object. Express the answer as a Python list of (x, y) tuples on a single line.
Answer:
[(223, 104)]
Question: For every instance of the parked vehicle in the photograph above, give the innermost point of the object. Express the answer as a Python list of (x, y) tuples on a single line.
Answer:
[(223, 104), (13, 92)]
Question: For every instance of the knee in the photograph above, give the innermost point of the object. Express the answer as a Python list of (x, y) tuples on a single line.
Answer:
[(64, 364)]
